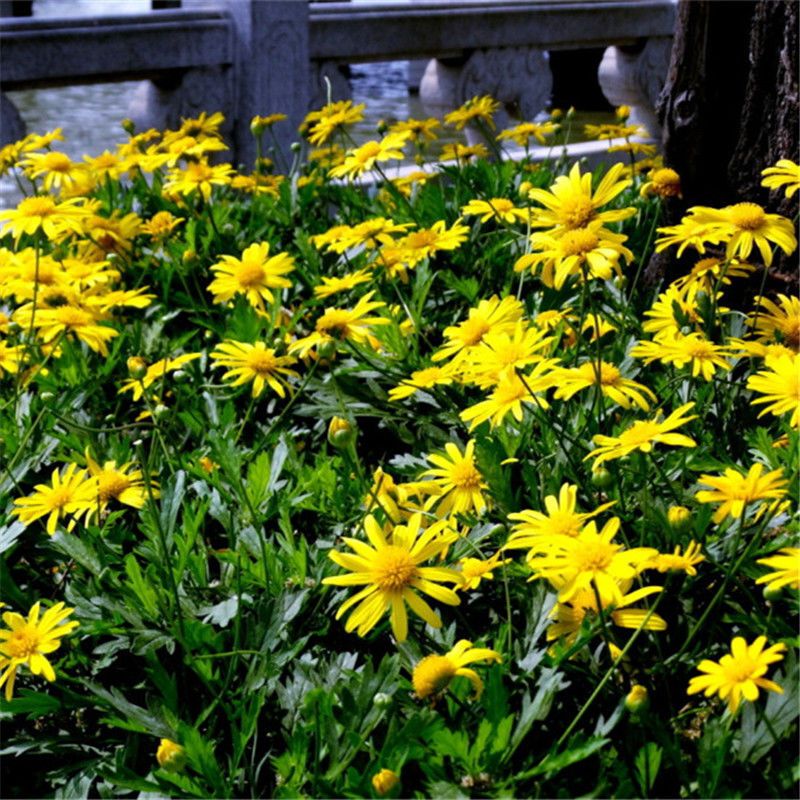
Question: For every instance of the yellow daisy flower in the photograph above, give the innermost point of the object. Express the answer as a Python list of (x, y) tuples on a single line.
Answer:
[(786, 569), (679, 562), (254, 275), (612, 384), (332, 286), (391, 572), (123, 483), (704, 356), (256, 364), (475, 570), (42, 212), (784, 173), (497, 208), (342, 324), (29, 640), (739, 674), (778, 321), (433, 674), (157, 371), (198, 176), (780, 385), (525, 131), (642, 435), (427, 241), (420, 379), (329, 119), (419, 130), (364, 158), (72, 492), (482, 108), (457, 151), (735, 490), (664, 182), (570, 202), (458, 480)]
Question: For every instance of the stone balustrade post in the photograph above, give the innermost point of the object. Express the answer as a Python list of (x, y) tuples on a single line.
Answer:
[(635, 77)]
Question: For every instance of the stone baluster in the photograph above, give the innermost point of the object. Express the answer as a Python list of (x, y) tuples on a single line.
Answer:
[(635, 77), (519, 77)]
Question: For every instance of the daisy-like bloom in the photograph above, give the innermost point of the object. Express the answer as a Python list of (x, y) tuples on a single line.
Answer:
[(482, 108), (29, 640), (610, 380), (740, 673), (525, 131), (433, 674), (707, 272), (591, 252), (123, 483), (475, 570), (329, 119), (489, 316), (642, 435), (427, 241), (384, 781), (735, 490), (689, 232), (674, 309), (570, 202), (664, 182), (198, 176), (70, 320), (42, 212), (419, 130), (498, 352), (259, 124), (72, 492), (58, 169), (508, 395), (11, 357), (704, 356), (786, 569), (331, 286), (568, 617), (342, 324), (778, 321), (780, 386), (456, 151), (106, 165), (156, 372), (370, 234), (679, 562), (202, 125), (407, 183), (161, 225), (745, 225), (256, 364), (458, 480), (590, 561), (497, 208), (391, 572), (364, 158), (254, 275), (606, 131), (560, 518), (257, 184), (784, 173), (420, 379)]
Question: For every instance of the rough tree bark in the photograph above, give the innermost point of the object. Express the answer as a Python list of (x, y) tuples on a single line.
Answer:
[(730, 105)]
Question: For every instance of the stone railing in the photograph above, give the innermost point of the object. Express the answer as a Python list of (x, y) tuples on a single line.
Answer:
[(249, 57)]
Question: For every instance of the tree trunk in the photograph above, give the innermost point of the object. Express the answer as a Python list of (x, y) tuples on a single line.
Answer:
[(730, 105)]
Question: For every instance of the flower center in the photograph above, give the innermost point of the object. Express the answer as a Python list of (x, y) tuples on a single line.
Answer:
[(22, 644), (595, 556), (473, 330), (58, 498), (57, 162), (564, 523), (36, 207), (697, 348), (747, 216), (368, 151), (420, 239), (578, 242), (432, 675), (110, 485), (250, 274), (261, 362), (790, 328), (740, 670), (465, 476), (334, 323), (577, 211), (394, 569), (71, 317)]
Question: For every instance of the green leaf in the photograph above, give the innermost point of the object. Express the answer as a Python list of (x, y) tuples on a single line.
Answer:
[(9, 534), (648, 762), (79, 550)]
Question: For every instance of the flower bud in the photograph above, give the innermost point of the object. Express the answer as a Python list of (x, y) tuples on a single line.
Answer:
[(382, 700), (137, 367), (160, 411), (128, 126), (327, 349), (189, 255), (295, 147), (171, 756), (524, 188), (679, 518), (257, 126), (384, 781), (772, 593), (601, 478), (637, 699), (341, 433), (556, 113), (622, 112)]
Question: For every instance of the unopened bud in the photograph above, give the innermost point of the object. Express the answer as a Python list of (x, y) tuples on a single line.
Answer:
[(382, 700), (679, 518), (341, 433), (384, 781), (137, 367), (171, 756), (637, 699), (601, 478), (128, 126), (772, 593), (189, 255)]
